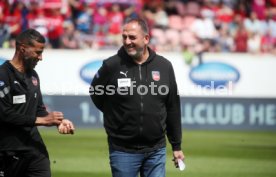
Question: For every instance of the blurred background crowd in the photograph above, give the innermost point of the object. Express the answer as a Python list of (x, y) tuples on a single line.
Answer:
[(175, 25)]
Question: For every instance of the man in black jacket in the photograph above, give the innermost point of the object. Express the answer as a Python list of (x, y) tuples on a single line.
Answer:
[(137, 93), (22, 151)]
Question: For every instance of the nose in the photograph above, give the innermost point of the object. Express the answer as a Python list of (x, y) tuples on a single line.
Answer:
[(127, 41), (39, 57)]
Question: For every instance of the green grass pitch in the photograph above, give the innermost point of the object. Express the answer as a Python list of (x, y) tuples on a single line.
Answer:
[(208, 154)]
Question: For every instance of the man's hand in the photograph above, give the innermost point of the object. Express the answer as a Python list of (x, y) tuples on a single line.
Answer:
[(53, 118), (66, 127), (177, 155)]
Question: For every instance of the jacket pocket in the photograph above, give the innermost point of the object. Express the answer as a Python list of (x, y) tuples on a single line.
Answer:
[(153, 127), (130, 125)]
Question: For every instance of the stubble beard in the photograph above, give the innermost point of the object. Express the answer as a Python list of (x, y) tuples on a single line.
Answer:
[(29, 64), (135, 54)]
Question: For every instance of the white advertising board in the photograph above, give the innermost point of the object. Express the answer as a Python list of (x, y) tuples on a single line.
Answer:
[(68, 72)]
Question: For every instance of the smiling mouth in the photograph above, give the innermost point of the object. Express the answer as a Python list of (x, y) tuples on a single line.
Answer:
[(130, 48)]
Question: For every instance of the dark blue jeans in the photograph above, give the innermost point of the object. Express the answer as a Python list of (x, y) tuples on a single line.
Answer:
[(151, 164)]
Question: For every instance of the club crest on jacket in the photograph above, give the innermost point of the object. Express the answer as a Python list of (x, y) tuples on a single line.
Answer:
[(34, 80), (155, 75)]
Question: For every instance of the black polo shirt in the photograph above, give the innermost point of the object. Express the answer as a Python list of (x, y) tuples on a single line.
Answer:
[(20, 104)]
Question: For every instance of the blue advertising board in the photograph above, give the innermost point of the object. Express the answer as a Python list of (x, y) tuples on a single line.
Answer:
[(196, 113)]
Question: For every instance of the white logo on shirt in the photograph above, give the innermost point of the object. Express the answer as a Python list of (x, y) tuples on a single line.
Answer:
[(125, 74), (16, 82)]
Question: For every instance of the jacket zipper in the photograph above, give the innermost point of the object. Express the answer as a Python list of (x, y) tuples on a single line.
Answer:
[(141, 103)]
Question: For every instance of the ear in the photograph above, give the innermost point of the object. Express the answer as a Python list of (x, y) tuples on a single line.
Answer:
[(147, 39), (22, 49)]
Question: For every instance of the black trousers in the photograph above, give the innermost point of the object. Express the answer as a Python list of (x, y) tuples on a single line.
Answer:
[(24, 164)]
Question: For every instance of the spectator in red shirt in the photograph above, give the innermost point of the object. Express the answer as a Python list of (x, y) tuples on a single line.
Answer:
[(13, 18), (37, 20), (240, 39), (259, 7), (116, 19), (55, 28), (100, 21)]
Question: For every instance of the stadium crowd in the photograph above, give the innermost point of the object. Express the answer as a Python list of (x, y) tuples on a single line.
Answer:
[(175, 25)]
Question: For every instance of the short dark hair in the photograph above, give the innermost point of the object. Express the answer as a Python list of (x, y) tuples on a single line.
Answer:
[(28, 37), (141, 22)]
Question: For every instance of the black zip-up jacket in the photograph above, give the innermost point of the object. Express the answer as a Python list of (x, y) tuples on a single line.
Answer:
[(138, 117), (20, 104)]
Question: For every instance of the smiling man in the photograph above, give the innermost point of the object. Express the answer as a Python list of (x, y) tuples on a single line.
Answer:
[(22, 151), (142, 110)]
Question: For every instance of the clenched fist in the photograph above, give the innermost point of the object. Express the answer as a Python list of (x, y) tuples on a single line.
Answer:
[(66, 127)]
